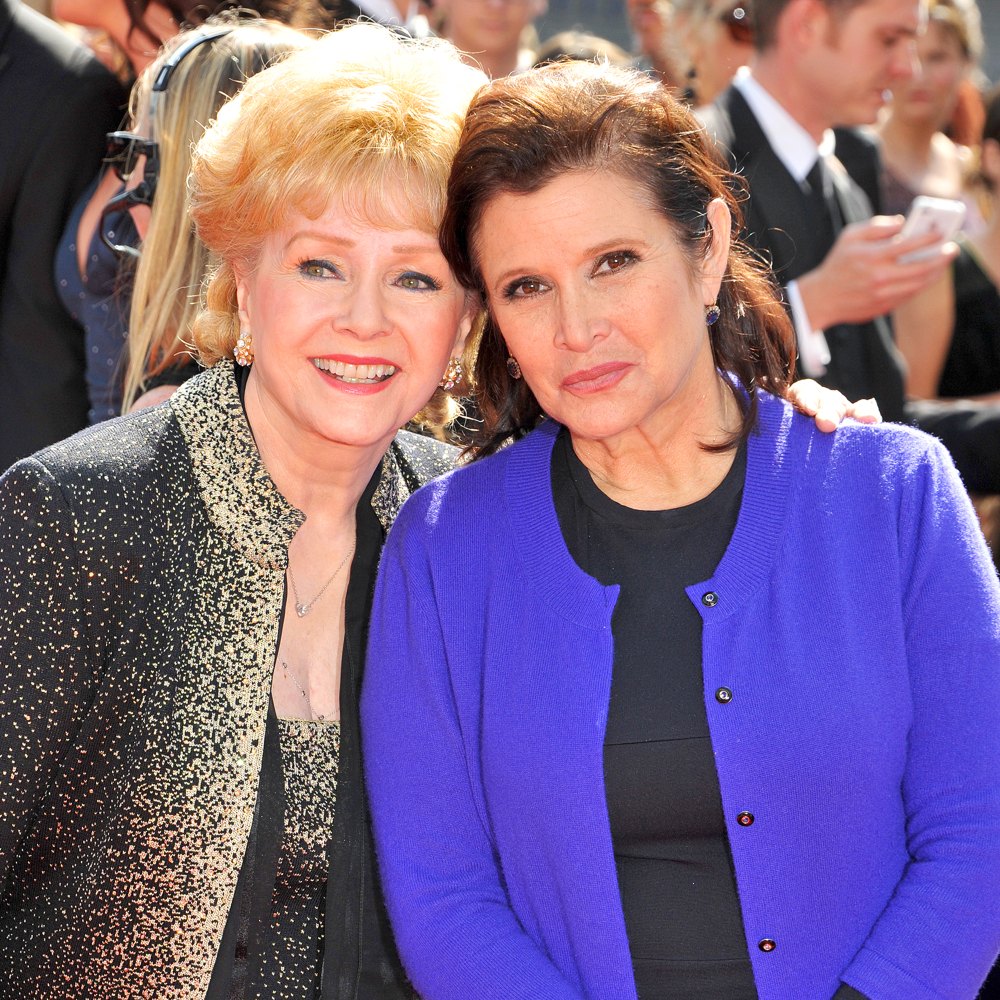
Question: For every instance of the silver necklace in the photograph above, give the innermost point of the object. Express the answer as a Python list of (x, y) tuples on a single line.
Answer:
[(302, 691), (303, 609)]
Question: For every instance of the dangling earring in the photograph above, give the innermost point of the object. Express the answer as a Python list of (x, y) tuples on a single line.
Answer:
[(243, 351), (514, 368), (689, 95), (452, 374), (712, 313)]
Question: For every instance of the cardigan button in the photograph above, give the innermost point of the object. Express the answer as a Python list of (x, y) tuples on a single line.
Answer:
[(745, 819), (767, 944), (710, 599), (723, 696)]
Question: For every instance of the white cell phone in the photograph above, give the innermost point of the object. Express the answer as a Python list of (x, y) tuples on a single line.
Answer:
[(943, 216)]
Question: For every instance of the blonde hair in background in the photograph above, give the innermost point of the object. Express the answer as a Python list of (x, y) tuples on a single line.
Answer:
[(363, 115), (174, 262)]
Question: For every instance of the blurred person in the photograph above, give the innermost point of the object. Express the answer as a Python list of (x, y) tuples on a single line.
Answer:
[(58, 102), (410, 15), (180, 93), (820, 63), (950, 334), (716, 39), (491, 32), (654, 42), (671, 697), (181, 802), (580, 45), (88, 275), (917, 156), (92, 281)]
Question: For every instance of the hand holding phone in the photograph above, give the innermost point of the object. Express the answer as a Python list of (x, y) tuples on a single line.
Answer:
[(941, 216)]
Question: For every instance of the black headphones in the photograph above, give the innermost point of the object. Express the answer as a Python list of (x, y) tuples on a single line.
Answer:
[(125, 148)]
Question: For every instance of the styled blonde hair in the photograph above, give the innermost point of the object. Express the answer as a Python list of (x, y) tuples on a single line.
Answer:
[(364, 115), (174, 262)]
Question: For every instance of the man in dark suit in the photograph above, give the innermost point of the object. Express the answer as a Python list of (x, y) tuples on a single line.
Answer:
[(56, 104), (820, 64)]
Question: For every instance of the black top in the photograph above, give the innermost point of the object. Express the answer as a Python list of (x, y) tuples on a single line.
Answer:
[(972, 366), (671, 849)]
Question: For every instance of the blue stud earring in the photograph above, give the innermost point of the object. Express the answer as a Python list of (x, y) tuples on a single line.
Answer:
[(712, 314)]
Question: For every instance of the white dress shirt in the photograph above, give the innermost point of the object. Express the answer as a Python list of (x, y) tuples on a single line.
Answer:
[(386, 12)]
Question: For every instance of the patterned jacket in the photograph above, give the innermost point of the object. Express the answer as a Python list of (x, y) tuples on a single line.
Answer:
[(142, 589)]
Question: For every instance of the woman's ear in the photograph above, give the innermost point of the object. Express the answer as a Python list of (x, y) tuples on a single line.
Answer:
[(243, 297), (713, 266), (468, 322)]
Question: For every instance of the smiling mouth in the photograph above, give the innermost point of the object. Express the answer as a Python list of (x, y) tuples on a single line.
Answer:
[(355, 374)]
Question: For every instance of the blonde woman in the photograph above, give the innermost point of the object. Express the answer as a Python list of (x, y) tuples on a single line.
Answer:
[(186, 588), (172, 108)]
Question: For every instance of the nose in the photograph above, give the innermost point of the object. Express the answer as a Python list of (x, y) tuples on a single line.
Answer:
[(578, 325), (906, 62), (363, 314)]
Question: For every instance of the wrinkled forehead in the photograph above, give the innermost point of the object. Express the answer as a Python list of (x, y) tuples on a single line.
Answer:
[(383, 196)]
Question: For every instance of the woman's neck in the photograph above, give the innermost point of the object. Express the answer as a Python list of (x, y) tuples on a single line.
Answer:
[(662, 467), (907, 146), (323, 479)]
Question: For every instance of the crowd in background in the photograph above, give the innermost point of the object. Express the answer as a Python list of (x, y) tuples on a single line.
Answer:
[(90, 325)]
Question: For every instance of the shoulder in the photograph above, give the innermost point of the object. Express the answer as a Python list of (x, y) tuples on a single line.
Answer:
[(138, 452), (422, 458), (884, 458)]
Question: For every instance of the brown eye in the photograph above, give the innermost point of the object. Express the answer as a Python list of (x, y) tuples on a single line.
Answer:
[(524, 288), (615, 261)]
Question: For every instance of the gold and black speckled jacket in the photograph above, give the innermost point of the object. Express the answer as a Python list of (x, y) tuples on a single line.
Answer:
[(142, 572)]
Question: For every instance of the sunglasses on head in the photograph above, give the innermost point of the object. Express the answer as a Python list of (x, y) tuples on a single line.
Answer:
[(738, 23)]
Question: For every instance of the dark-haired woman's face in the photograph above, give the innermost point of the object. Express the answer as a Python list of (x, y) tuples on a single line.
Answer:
[(931, 94), (601, 306)]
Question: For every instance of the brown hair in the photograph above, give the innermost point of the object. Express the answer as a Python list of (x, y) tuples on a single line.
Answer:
[(767, 14), (524, 131)]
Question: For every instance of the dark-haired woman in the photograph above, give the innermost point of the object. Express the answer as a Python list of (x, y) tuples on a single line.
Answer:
[(950, 335), (674, 697)]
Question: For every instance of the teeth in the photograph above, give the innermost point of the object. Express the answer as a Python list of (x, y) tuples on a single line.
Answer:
[(355, 374)]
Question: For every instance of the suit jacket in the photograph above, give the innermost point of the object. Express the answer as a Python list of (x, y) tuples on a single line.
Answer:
[(56, 104), (864, 360), (142, 566)]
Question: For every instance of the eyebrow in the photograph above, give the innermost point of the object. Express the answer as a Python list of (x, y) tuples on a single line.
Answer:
[(404, 249), (615, 243)]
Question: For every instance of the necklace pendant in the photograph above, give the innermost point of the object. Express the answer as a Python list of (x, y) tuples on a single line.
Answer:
[(301, 609)]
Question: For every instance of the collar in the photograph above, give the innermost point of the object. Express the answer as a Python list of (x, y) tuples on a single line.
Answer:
[(791, 143), (241, 499), (386, 12)]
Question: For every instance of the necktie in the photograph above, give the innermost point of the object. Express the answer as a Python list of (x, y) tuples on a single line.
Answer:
[(821, 193)]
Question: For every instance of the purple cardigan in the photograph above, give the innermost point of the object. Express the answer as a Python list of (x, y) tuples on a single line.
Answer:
[(852, 683)]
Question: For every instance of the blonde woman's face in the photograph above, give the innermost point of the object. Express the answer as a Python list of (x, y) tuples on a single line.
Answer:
[(352, 325)]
